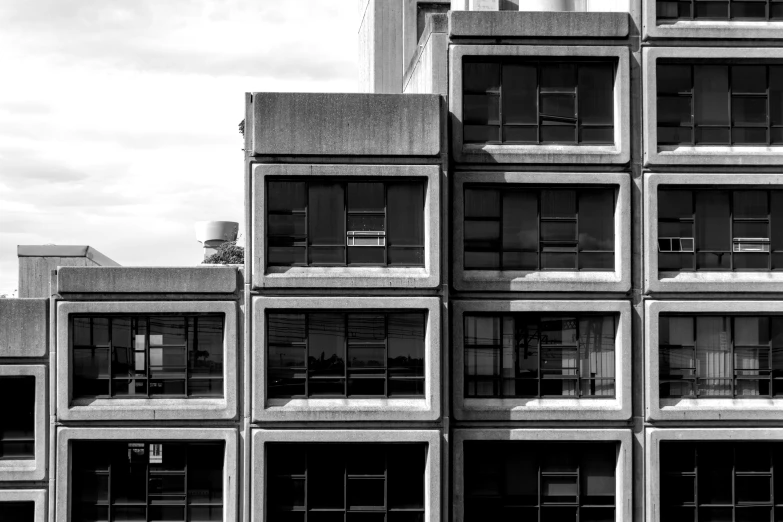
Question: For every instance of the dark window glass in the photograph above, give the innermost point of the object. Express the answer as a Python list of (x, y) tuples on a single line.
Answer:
[(338, 482), (723, 230), (346, 354), (513, 228), (719, 480), (714, 104), (136, 356), (708, 356), (547, 481), (17, 511), (335, 222), (509, 100), (669, 11), (124, 480), (17, 428), (536, 355)]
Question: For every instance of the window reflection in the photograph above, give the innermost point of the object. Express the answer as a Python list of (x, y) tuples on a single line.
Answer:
[(17, 429)]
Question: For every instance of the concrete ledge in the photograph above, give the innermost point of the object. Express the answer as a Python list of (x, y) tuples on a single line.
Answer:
[(24, 327), (230, 461), (527, 24), (36, 496), (347, 409), (35, 468), (152, 280), (544, 409), (433, 470), (623, 470), (306, 124), (728, 30), (725, 409)]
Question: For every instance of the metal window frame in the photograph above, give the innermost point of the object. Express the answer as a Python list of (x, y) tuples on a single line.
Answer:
[(731, 29), (37, 496), (35, 468), (729, 4)]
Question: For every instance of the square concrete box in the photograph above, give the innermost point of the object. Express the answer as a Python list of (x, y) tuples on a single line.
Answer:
[(30, 469), (752, 408), (204, 279), (702, 281), (617, 153), (654, 154), (540, 24), (65, 436), (623, 468), (24, 327), (717, 29), (433, 472), (618, 280), (616, 408), (652, 449), (426, 408), (37, 497), (428, 276), (332, 124), (125, 409)]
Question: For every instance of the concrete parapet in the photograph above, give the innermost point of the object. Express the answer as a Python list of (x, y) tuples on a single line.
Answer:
[(152, 280), (24, 327), (36, 263), (526, 24)]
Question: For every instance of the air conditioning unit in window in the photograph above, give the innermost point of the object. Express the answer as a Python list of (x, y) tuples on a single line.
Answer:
[(751, 244), (366, 238), (675, 244)]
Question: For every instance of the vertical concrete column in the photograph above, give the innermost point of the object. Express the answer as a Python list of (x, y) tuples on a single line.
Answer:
[(380, 46)]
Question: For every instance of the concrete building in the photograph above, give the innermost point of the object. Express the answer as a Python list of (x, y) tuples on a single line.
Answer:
[(532, 273)]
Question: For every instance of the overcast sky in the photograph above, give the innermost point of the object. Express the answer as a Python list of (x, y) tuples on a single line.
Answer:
[(118, 118)]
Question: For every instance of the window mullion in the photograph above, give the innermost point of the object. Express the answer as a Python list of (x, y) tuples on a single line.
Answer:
[(307, 353), (500, 103), (111, 357), (693, 99)]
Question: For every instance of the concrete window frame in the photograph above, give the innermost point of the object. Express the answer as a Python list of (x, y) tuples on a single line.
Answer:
[(426, 408), (683, 409), (617, 408), (427, 276), (655, 281), (623, 469), (230, 467), (618, 280), (654, 436), (35, 468), (433, 475), (701, 155), (707, 29), (36, 496), (618, 153), (123, 409)]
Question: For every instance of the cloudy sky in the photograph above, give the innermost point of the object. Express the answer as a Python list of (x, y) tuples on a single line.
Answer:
[(118, 118)]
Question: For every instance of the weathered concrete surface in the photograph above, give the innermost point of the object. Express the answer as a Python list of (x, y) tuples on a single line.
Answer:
[(380, 46), (346, 124), (36, 496), (428, 73), (152, 280), (24, 327), (36, 263), (499, 24)]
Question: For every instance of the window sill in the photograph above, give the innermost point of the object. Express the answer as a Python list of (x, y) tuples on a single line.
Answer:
[(715, 155), (491, 153), (348, 277), (382, 409), (715, 282), (593, 408), (148, 409), (542, 281), (717, 409)]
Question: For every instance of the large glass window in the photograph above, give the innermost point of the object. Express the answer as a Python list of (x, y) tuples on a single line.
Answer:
[(513, 100), (724, 230), (333, 222), (128, 480), (540, 355), (712, 103), (724, 481), (740, 10), (546, 481), (17, 511), (342, 354), (136, 356), (513, 228), (17, 418), (718, 356), (345, 482)]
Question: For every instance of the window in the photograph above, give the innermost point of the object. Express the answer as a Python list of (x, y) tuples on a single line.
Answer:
[(536, 355), (17, 428), (140, 356), (333, 354), (726, 481), (745, 10), (18, 511), (723, 230), (717, 104), (128, 480), (357, 482), (547, 481), (539, 228), (717, 356), (511, 100), (332, 222)]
